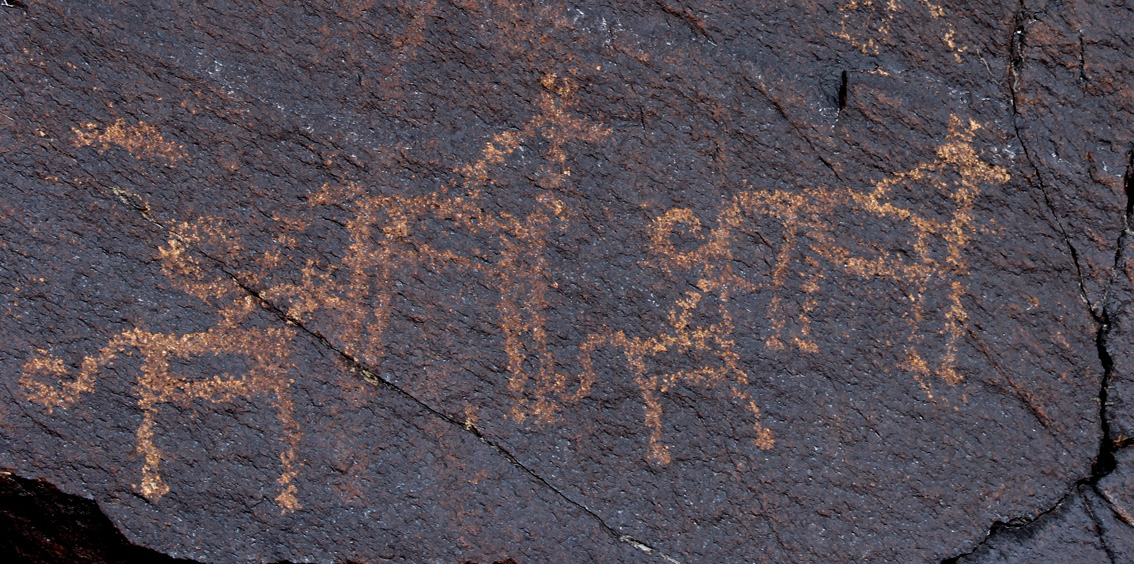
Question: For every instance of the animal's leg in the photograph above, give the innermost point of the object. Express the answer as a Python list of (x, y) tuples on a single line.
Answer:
[(764, 439), (152, 486), (286, 413), (659, 452)]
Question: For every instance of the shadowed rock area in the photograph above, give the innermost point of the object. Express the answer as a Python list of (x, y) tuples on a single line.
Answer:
[(520, 282), (42, 524)]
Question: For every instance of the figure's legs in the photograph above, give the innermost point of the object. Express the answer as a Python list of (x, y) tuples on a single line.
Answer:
[(154, 387)]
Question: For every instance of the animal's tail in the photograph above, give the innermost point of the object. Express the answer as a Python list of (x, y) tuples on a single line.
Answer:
[(44, 377)]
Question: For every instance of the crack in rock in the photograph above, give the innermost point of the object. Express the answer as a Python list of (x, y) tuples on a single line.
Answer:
[(1104, 461), (1016, 59)]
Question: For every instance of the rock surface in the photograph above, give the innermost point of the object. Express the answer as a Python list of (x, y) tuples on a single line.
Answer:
[(496, 281)]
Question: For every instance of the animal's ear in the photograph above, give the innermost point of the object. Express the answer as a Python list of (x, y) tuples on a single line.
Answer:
[(194, 257)]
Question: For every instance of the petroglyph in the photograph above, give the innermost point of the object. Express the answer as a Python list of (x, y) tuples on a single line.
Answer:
[(45, 377), (388, 233), (505, 250), (684, 337), (809, 248), (384, 228), (867, 24), (355, 294), (142, 140)]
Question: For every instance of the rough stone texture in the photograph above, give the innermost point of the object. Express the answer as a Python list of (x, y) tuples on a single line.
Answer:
[(1119, 337), (1079, 529), (1117, 488), (615, 282), (1073, 99)]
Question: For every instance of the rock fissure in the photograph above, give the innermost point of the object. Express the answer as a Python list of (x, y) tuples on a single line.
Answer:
[(1101, 534), (1109, 445), (682, 13), (1016, 58), (1121, 516), (372, 377), (999, 527), (1104, 461)]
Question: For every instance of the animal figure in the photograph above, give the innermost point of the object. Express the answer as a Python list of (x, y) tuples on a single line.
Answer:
[(388, 233), (48, 380), (808, 248)]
